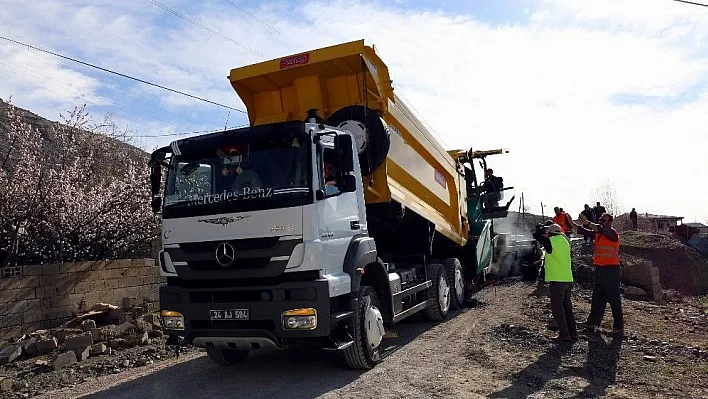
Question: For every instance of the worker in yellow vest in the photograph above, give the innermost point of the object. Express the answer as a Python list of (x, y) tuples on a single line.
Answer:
[(606, 261), (559, 276)]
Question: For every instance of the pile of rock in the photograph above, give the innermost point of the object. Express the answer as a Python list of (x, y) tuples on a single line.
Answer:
[(82, 338)]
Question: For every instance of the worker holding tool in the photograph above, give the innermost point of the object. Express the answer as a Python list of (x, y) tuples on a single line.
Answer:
[(606, 261), (559, 275)]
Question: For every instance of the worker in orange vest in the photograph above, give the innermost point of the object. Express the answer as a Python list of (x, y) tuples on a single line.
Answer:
[(563, 220), (606, 262)]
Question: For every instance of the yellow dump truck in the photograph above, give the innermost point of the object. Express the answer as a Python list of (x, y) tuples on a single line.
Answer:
[(333, 216)]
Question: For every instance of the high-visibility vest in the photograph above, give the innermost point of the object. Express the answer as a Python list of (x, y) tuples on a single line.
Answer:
[(558, 219), (562, 221), (606, 252), (557, 263)]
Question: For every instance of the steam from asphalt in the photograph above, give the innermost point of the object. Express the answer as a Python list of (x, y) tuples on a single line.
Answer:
[(514, 244)]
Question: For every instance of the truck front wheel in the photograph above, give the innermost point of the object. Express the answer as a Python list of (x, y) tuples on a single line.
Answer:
[(225, 357), (367, 332)]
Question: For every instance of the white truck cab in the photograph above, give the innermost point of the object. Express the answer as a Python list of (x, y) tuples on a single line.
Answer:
[(259, 244)]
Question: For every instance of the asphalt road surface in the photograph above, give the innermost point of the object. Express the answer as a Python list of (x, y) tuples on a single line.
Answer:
[(301, 372)]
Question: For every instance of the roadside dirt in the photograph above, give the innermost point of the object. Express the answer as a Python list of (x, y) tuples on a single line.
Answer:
[(500, 348), (33, 377)]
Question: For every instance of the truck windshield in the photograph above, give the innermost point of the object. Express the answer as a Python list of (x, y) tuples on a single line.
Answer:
[(239, 176)]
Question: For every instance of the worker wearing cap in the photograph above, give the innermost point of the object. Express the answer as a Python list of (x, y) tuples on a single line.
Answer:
[(559, 275), (606, 261)]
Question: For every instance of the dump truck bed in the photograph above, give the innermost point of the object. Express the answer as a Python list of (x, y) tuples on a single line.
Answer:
[(417, 171)]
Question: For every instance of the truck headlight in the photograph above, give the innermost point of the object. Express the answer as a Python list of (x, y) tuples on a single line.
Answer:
[(300, 319), (172, 320)]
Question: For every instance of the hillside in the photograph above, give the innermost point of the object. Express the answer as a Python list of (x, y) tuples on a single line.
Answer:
[(51, 135)]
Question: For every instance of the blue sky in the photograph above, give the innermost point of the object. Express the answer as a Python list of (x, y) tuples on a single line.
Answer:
[(609, 90)]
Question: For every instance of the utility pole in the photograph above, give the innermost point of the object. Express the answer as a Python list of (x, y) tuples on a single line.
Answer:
[(522, 209)]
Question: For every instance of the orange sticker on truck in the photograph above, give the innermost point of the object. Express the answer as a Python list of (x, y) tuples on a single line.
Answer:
[(294, 60)]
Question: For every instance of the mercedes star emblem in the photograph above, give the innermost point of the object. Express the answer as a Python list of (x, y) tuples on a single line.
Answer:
[(225, 254)]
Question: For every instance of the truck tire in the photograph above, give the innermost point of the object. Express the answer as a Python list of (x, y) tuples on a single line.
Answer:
[(351, 118), (438, 293), (225, 357), (364, 353), (456, 278)]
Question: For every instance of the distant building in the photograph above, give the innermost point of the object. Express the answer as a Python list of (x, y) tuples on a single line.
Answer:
[(661, 222), (697, 228)]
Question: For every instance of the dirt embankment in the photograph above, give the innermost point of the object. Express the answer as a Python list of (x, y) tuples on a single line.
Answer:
[(681, 267)]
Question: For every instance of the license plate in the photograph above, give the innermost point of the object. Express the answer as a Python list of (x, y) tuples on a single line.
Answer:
[(230, 314)]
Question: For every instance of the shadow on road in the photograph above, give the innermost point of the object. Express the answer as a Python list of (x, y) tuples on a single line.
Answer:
[(601, 365), (535, 375), (600, 369), (299, 372)]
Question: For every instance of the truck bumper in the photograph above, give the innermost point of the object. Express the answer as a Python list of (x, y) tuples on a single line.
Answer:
[(265, 304)]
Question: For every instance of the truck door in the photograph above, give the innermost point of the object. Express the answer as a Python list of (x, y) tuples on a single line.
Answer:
[(338, 213)]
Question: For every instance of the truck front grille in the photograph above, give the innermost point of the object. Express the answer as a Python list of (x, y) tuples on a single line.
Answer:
[(265, 295), (248, 257), (253, 263), (244, 244), (233, 325)]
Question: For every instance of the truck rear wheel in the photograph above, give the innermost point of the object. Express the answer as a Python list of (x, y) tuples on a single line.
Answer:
[(456, 278), (438, 293), (225, 357), (364, 353), (373, 145)]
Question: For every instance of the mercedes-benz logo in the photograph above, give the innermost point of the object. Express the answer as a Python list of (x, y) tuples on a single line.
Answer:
[(224, 220), (225, 254)]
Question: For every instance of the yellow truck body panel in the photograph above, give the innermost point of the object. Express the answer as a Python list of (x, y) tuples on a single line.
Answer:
[(418, 172)]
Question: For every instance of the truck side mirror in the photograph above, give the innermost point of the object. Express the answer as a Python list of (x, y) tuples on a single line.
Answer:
[(345, 153), (155, 178), (156, 204), (348, 184)]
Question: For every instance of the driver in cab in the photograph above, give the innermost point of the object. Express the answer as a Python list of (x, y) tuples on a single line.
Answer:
[(330, 178)]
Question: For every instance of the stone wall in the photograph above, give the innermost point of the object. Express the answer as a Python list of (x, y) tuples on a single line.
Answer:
[(46, 296)]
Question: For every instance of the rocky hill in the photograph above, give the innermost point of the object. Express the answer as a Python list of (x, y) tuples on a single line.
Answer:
[(52, 133)]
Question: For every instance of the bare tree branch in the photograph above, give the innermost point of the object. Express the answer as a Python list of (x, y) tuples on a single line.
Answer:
[(607, 195)]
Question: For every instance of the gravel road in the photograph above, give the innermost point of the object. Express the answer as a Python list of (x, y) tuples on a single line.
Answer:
[(501, 348), (301, 372)]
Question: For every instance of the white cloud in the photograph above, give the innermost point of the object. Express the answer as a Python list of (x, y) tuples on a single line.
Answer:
[(547, 90)]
